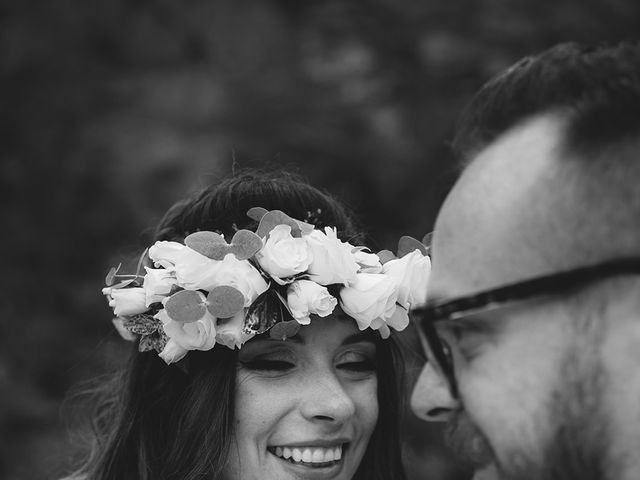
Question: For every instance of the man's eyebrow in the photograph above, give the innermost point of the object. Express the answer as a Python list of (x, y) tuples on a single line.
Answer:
[(469, 325), (433, 300)]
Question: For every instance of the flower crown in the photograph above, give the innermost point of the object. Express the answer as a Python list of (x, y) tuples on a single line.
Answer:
[(208, 291)]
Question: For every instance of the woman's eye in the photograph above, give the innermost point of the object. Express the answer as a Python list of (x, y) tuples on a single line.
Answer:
[(356, 362), (268, 365), (362, 366)]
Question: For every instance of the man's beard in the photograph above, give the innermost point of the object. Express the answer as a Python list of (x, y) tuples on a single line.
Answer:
[(467, 442), (580, 443), (578, 447)]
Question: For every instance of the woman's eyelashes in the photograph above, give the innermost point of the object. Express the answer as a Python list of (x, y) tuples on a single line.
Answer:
[(356, 362), (275, 362), (359, 362), (269, 365)]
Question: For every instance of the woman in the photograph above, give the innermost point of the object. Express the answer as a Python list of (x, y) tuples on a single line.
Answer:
[(261, 372)]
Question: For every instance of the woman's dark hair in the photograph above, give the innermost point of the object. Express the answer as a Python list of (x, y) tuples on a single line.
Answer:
[(155, 422)]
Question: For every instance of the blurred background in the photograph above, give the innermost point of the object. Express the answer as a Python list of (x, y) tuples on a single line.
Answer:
[(111, 110)]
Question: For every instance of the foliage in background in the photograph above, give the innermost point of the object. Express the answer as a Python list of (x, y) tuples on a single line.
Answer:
[(110, 110)]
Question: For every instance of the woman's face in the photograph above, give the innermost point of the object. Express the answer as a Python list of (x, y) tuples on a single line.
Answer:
[(305, 407)]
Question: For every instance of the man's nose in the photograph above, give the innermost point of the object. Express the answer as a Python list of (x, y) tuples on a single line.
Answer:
[(431, 399)]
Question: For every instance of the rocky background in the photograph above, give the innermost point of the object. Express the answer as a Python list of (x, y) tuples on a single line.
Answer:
[(110, 110)]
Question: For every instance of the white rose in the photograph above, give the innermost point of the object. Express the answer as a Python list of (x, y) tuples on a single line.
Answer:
[(371, 296), (126, 301), (198, 335), (399, 320), (164, 254), (172, 352), (333, 260), (412, 274), (229, 331), (157, 284), (369, 262), (197, 272), (305, 297), (380, 325), (282, 255)]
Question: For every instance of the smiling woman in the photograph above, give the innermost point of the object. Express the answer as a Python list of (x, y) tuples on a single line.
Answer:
[(273, 358), (306, 407)]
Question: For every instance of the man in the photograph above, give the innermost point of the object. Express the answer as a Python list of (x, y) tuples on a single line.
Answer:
[(532, 331)]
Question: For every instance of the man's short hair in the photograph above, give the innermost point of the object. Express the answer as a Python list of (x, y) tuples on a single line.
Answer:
[(598, 87)]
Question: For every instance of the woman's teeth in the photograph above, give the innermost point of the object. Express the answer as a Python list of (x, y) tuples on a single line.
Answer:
[(309, 454)]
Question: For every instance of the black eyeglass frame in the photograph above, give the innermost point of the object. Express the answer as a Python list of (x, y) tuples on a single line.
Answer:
[(548, 285)]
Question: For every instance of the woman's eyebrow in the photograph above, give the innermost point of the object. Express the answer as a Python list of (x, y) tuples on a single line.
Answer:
[(297, 338), (359, 337)]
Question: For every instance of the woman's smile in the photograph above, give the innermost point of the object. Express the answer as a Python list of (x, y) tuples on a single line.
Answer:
[(311, 461), (312, 456)]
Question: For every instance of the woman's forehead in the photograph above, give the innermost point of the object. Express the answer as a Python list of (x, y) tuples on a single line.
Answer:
[(334, 329)]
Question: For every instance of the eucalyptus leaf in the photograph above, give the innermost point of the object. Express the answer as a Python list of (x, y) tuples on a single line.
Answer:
[(304, 226), (408, 244), (256, 213), (284, 330), (225, 301), (111, 276), (185, 306), (274, 218), (123, 283), (246, 244), (203, 242), (385, 256)]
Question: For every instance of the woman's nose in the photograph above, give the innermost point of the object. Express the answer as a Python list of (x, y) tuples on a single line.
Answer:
[(326, 399), (431, 399)]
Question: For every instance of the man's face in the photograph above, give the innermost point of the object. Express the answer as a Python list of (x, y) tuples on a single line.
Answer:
[(528, 377)]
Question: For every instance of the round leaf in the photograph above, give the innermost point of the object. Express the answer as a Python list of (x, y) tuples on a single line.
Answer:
[(185, 306), (385, 256), (219, 251), (408, 244), (225, 301), (274, 218), (245, 244), (284, 330), (204, 242), (256, 213)]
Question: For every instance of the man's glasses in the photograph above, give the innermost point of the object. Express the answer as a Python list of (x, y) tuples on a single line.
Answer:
[(438, 353)]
